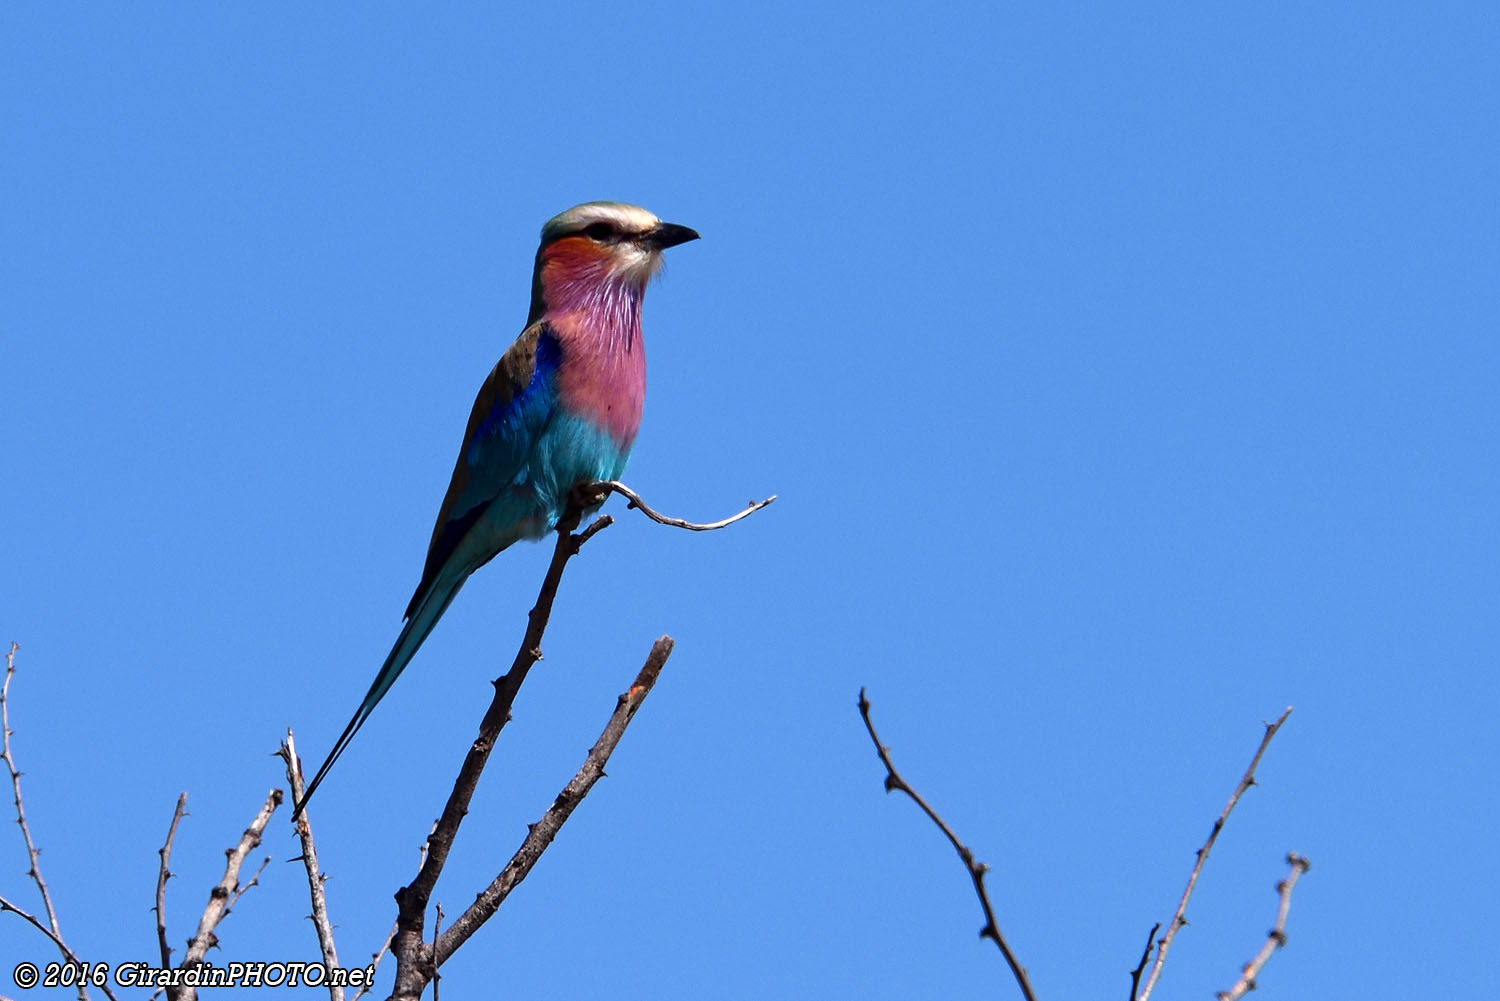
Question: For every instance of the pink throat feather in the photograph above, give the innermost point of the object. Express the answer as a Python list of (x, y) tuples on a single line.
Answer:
[(595, 314)]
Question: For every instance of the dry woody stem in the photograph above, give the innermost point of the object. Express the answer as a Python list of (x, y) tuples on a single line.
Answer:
[(977, 870), (1135, 974), (412, 953), (309, 858), (226, 893), (32, 853), (991, 930), (615, 486), (164, 873), (375, 958), (541, 834), (417, 960), (1178, 919), (1276, 938), (51, 928)]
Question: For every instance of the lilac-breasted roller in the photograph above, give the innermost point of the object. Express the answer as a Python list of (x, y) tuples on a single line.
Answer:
[(560, 408)]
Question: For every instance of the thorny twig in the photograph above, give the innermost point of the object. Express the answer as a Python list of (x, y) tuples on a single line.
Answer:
[(224, 895), (53, 931), (1277, 936), (375, 958), (309, 858), (68, 954), (243, 888), (977, 869), (163, 874), (1178, 920), (32, 853)]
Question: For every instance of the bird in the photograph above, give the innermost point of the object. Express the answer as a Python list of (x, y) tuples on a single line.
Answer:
[(560, 408)]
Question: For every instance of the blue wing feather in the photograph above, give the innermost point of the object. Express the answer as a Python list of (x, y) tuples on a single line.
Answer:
[(510, 414), (513, 406)]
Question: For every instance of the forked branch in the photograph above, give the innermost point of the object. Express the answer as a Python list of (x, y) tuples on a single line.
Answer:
[(226, 893), (417, 960), (1178, 919), (411, 900), (541, 834)]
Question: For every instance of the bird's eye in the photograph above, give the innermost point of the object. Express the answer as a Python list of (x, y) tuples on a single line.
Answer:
[(600, 231)]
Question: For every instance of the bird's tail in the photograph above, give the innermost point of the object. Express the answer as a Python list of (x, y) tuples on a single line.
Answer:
[(424, 616)]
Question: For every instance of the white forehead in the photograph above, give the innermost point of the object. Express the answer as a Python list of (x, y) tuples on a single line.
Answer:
[(625, 218)]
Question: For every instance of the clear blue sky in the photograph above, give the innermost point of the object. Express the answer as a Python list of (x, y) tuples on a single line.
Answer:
[(1126, 375)]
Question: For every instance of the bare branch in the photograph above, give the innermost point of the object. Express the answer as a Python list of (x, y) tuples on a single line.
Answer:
[(67, 953), (412, 952), (223, 896), (1178, 919), (414, 957), (541, 834), (315, 878), (977, 869), (163, 874), (379, 954), (437, 925), (615, 486), (32, 852), (240, 891), (1277, 936), (1135, 974), (375, 958)]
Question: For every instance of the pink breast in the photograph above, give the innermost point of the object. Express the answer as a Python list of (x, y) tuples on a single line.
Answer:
[(603, 372)]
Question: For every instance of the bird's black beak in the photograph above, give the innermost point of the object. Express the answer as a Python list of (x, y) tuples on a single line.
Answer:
[(669, 234)]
